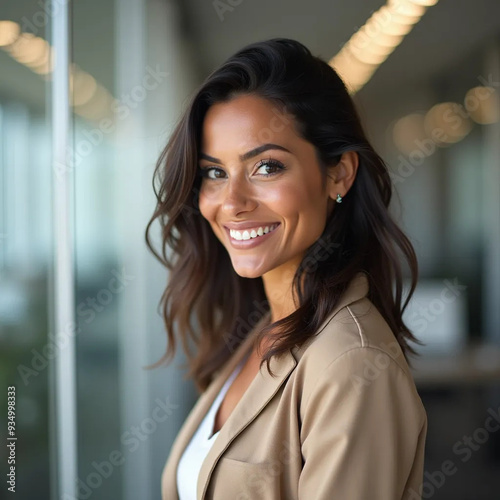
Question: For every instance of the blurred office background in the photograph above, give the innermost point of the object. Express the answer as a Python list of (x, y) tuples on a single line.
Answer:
[(426, 81)]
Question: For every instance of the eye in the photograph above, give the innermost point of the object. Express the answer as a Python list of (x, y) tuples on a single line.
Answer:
[(272, 166), (205, 172)]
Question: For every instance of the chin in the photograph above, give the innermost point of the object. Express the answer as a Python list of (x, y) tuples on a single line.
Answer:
[(247, 273)]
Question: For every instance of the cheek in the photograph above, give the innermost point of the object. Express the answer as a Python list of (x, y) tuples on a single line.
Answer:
[(207, 206), (305, 209), (208, 212), (294, 198)]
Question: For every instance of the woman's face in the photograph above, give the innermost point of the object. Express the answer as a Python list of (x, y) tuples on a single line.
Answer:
[(262, 191)]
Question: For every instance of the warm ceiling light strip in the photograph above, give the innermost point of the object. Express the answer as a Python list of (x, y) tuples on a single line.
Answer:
[(90, 99), (445, 123), (374, 42)]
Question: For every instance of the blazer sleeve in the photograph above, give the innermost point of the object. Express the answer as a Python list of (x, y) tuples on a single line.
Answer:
[(363, 431)]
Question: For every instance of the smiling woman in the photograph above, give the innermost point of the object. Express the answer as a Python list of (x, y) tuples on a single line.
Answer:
[(286, 191), (249, 192)]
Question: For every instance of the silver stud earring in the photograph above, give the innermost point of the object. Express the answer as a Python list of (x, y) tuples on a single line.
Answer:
[(339, 198)]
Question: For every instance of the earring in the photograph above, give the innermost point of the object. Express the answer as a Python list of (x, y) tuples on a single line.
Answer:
[(339, 198)]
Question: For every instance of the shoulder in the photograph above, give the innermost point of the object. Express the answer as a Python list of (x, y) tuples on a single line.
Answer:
[(355, 352), (359, 327)]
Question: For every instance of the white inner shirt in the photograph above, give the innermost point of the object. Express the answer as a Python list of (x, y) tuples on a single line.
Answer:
[(200, 444)]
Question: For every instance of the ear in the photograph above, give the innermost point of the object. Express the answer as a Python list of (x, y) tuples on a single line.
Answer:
[(342, 175)]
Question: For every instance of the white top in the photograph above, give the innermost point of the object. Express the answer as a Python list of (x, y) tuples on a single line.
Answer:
[(200, 444)]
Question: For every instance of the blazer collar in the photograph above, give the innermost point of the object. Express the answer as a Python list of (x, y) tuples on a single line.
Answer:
[(256, 397)]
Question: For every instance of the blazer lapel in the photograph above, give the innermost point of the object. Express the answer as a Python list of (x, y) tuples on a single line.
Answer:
[(258, 394), (261, 390), (200, 409)]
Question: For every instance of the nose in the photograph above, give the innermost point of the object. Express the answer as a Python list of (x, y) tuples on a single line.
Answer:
[(238, 196)]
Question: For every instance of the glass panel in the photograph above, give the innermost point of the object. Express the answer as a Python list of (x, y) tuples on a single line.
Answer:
[(127, 89), (27, 343)]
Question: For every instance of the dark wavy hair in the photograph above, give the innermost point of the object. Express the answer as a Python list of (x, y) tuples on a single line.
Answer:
[(360, 234)]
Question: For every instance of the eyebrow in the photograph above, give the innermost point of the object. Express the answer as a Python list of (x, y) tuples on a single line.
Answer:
[(249, 154)]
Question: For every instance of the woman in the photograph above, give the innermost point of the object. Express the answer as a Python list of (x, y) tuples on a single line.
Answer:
[(274, 207)]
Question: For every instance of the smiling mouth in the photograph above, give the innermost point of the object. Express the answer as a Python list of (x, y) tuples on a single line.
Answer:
[(251, 234)]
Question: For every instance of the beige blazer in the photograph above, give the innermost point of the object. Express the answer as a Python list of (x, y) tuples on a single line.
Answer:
[(342, 419)]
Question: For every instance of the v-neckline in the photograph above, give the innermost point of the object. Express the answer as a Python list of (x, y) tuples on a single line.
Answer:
[(224, 390)]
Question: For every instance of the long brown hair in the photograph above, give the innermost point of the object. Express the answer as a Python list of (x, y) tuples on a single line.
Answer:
[(360, 234)]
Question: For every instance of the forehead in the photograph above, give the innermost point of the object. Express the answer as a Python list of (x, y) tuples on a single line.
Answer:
[(245, 122)]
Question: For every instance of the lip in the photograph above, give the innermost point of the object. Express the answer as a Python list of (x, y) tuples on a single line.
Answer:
[(253, 242)]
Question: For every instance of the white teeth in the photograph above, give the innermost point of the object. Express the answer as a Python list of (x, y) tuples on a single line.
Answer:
[(247, 235)]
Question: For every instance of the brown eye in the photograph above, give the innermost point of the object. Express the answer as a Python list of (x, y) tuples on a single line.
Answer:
[(271, 166), (204, 172)]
